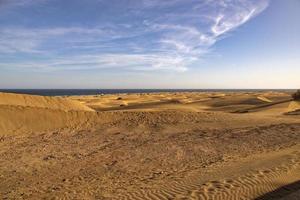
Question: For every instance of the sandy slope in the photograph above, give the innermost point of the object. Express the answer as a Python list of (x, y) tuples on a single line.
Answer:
[(154, 146), (294, 106), (27, 113), (52, 103)]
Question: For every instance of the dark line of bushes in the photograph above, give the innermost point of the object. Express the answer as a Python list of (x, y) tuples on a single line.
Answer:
[(296, 95)]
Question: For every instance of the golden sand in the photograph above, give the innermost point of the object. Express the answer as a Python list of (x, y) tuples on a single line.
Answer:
[(233, 145)]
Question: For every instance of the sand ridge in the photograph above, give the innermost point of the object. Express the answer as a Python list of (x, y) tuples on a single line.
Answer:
[(28, 113), (193, 101), (53, 103), (294, 106)]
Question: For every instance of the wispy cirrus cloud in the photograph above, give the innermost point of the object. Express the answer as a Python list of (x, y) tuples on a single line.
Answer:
[(135, 62), (24, 40), (11, 4), (148, 35)]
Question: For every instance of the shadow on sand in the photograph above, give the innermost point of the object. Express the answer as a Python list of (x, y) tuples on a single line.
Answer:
[(281, 192)]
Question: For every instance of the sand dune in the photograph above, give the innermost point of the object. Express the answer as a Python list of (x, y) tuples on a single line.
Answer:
[(52, 103), (149, 146), (264, 99), (15, 120), (294, 106), (27, 113), (228, 102)]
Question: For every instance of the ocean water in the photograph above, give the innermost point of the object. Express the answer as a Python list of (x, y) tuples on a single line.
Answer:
[(70, 92)]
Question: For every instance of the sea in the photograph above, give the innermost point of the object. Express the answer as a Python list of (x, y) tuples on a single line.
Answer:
[(72, 92)]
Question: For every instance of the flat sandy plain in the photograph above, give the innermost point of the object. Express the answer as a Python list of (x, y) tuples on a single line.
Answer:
[(234, 145)]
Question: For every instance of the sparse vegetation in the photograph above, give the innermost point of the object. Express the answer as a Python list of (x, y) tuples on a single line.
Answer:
[(296, 95)]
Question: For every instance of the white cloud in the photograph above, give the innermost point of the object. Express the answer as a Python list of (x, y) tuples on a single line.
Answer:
[(233, 16), (164, 38), (133, 62), (16, 3), (24, 40)]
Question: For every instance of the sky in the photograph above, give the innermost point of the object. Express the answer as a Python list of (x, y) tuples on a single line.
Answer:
[(195, 44)]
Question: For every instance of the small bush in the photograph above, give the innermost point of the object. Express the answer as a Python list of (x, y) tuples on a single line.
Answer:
[(296, 95)]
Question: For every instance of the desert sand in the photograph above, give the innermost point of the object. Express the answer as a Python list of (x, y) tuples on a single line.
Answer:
[(187, 145)]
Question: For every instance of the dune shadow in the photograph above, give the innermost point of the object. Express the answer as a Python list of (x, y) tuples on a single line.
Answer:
[(281, 192)]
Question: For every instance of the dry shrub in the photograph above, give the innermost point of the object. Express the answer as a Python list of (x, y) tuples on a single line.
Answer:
[(296, 95)]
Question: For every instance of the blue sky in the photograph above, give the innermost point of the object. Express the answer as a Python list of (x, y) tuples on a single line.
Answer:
[(149, 44)]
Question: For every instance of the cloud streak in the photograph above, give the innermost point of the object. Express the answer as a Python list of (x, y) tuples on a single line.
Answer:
[(154, 35)]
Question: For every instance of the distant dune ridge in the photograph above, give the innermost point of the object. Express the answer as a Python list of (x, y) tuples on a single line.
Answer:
[(53, 103), (21, 112)]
